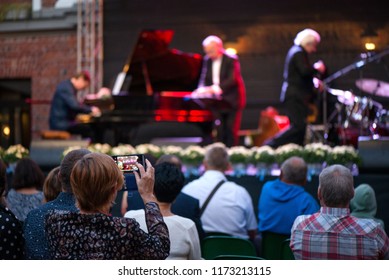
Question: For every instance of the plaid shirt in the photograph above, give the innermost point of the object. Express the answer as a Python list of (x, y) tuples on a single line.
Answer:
[(333, 234)]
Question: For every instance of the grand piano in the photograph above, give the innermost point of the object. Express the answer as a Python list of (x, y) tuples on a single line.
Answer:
[(151, 96)]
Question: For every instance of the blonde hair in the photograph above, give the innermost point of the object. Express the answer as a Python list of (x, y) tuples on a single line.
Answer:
[(94, 178), (307, 36)]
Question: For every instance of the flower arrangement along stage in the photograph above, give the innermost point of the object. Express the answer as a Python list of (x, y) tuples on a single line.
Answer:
[(258, 161), (245, 161)]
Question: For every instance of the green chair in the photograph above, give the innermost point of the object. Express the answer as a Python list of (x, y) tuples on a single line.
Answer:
[(216, 233), (213, 246), (286, 252), (236, 257), (272, 244)]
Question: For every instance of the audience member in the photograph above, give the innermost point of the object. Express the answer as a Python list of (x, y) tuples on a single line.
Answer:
[(230, 210), (283, 199), (333, 233), (364, 204), (184, 239), (51, 185), (34, 225), (184, 205), (11, 233), (26, 193), (94, 233)]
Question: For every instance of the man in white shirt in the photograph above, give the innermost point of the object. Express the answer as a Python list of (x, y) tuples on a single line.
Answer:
[(230, 210)]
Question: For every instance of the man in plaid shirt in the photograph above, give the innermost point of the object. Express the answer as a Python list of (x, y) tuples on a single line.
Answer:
[(332, 233)]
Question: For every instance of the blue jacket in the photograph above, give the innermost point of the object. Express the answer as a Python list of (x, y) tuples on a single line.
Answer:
[(279, 205), (34, 226), (65, 107)]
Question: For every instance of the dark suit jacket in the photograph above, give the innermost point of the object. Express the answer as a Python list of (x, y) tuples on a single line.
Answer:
[(65, 107), (231, 81), (184, 205), (298, 76)]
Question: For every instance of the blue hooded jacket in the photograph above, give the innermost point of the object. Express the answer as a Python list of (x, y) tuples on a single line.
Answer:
[(280, 204)]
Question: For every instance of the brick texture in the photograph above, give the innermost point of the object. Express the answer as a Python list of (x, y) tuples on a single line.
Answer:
[(46, 59)]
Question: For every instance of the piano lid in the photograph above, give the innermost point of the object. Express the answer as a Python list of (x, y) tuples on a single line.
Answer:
[(153, 67)]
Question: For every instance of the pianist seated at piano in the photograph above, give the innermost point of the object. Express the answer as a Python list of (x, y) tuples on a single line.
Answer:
[(221, 79), (65, 107)]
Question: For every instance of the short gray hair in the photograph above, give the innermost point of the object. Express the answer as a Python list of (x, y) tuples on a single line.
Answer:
[(213, 39), (336, 184), (294, 171), (217, 158)]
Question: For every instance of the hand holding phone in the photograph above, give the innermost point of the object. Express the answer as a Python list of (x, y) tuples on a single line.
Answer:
[(145, 182), (127, 164)]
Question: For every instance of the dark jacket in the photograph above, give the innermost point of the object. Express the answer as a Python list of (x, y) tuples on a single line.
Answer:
[(231, 82), (65, 107)]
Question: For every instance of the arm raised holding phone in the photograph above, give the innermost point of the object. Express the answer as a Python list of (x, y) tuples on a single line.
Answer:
[(145, 182)]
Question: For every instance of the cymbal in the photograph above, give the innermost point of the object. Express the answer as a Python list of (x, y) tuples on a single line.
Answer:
[(374, 87), (344, 96)]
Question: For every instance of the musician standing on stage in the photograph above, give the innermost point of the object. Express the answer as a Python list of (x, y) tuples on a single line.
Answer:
[(298, 89), (221, 78), (65, 106)]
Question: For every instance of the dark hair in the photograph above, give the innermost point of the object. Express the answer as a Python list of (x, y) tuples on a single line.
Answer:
[(27, 174), (169, 181), (83, 74), (67, 165), (170, 158)]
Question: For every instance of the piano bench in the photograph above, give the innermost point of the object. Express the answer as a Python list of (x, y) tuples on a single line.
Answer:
[(55, 134)]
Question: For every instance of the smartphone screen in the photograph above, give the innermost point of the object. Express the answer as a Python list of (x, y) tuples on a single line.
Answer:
[(126, 163)]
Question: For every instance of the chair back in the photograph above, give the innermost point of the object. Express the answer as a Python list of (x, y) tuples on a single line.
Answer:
[(272, 244), (237, 257), (213, 246), (286, 252)]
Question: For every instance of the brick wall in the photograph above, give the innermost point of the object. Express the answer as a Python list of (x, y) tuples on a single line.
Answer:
[(45, 58), (5, 2), (48, 3)]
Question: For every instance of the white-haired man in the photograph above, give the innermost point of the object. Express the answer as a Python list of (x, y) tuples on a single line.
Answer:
[(221, 78), (298, 90)]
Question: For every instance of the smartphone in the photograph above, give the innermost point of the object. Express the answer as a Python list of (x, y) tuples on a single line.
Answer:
[(126, 163)]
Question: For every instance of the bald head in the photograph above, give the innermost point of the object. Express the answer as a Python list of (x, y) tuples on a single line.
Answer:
[(294, 171)]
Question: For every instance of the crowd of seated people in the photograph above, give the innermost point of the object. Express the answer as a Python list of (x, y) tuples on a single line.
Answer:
[(165, 217)]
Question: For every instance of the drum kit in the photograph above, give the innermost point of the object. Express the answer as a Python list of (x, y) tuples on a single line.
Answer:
[(362, 116)]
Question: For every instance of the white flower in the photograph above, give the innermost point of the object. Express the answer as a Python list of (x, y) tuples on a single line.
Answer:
[(123, 149), (192, 154), (288, 148), (148, 149), (239, 154), (171, 150)]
